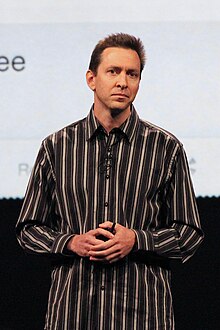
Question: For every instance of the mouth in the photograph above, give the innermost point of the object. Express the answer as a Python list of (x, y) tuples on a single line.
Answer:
[(120, 95)]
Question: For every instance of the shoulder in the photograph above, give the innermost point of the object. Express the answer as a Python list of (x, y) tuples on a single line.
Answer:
[(66, 133), (149, 129)]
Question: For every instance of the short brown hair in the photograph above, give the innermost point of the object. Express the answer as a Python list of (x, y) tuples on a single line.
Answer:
[(120, 40)]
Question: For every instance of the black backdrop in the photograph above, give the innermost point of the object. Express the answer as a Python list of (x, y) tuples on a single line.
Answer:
[(25, 279)]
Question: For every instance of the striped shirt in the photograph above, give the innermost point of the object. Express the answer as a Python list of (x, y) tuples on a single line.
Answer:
[(138, 176)]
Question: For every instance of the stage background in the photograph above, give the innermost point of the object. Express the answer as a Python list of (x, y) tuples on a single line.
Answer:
[(44, 54), (45, 47), (25, 279)]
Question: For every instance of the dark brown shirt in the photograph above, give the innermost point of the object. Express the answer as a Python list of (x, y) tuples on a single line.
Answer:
[(137, 176)]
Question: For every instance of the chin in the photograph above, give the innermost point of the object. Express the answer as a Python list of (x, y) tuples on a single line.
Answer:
[(119, 107), (117, 110)]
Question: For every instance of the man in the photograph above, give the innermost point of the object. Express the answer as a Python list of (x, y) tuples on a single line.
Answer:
[(110, 198)]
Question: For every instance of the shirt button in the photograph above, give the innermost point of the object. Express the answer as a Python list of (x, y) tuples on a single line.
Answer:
[(106, 203), (109, 149), (107, 177), (102, 287)]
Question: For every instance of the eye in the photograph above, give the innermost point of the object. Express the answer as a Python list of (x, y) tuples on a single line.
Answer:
[(113, 71), (133, 74)]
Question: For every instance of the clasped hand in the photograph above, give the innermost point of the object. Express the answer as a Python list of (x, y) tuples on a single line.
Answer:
[(118, 244)]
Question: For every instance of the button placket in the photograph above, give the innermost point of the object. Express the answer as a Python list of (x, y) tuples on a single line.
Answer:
[(108, 166)]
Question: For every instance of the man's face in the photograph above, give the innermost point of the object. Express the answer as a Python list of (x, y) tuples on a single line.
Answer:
[(117, 80)]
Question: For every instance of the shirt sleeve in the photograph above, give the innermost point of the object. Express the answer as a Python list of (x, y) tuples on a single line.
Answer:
[(182, 234), (38, 228)]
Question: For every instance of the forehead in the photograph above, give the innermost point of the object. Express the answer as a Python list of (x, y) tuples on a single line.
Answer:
[(115, 56)]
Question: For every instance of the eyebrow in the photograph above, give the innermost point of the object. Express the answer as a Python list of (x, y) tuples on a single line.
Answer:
[(115, 67), (133, 70)]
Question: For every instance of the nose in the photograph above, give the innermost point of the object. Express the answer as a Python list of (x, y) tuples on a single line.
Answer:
[(122, 81)]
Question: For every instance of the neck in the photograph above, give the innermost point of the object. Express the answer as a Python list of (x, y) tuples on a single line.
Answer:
[(112, 118)]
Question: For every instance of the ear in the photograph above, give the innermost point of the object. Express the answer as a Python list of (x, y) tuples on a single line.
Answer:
[(90, 78)]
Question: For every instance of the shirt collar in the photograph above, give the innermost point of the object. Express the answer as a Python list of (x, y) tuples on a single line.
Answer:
[(128, 128)]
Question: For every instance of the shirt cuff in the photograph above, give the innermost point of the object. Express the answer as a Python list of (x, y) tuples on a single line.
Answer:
[(144, 240), (59, 245)]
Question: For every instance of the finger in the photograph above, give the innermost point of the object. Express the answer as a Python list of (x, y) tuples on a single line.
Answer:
[(114, 257), (102, 246), (106, 224), (107, 259), (96, 242), (103, 232), (93, 235), (90, 238), (103, 250)]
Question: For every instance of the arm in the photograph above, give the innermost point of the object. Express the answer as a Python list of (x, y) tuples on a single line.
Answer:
[(39, 227), (182, 234)]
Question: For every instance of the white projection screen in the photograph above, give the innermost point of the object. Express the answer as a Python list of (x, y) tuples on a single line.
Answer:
[(45, 47)]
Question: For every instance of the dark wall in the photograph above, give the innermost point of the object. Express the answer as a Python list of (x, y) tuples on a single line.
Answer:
[(25, 279)]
